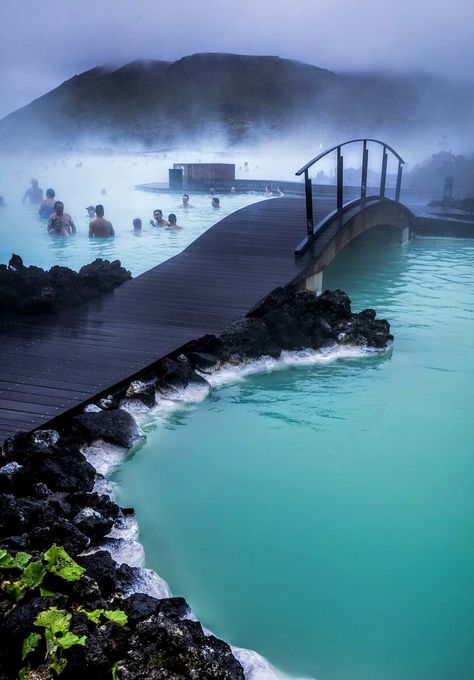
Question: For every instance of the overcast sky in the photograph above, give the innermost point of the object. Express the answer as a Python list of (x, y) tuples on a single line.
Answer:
[(44, 43)]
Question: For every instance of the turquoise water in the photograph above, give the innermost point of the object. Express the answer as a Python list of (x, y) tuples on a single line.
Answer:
[(78, 182), (324, 516)]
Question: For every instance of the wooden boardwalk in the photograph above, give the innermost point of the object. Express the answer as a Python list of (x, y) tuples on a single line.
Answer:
[(50, 365)]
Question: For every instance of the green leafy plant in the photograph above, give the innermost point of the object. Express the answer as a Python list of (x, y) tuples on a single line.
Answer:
[(115, 615), (60, 563), (55, 622), (55, 561)]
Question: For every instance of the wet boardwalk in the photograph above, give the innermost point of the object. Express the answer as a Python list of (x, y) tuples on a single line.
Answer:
[(50, 365)]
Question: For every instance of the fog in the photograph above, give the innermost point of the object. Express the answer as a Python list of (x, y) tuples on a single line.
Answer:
[(42, 45)]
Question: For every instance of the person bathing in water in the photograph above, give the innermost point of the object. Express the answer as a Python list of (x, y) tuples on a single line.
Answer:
[(137, 225), (158, 219), (172, 222), (90, 211), (185, 203), (215, 203), (100, 227), (61, 223), (34, 194), (47, 204)]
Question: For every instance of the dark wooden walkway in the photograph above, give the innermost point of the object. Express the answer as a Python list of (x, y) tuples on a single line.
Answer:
[(49, 365)]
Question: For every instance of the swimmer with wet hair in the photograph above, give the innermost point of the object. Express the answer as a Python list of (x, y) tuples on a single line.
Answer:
[(100, 227), (137, 224), (172, 222), (91, 211), (215, 202), (159, 220)]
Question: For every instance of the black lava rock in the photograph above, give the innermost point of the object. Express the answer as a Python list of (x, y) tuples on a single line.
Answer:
[(116, 426), (32, 290)]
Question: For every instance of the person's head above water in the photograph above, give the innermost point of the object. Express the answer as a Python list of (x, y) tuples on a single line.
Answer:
[(172, 218), (185, 198), (99, 210), (34, 183), (137, 224), (50, 193), (59, 207), (157, 214), (215, 202)]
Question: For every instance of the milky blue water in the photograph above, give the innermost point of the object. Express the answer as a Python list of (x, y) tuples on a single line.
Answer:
[(324, 516), (78, 182)]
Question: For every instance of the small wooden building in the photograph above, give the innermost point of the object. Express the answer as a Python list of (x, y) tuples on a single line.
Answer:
[(199, 176)]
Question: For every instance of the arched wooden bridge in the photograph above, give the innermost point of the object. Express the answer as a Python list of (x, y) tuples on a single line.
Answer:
[(213, 282)]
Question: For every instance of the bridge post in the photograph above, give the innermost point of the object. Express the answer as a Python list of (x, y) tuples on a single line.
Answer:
[(383, 175), (340, 179), (314, 283), (308, 186), (365, 165), (399, 181)]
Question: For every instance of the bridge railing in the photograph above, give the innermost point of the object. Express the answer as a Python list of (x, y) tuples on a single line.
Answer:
[(340, 176)]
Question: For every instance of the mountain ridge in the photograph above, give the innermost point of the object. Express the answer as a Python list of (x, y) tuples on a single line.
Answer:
[(240, 98)]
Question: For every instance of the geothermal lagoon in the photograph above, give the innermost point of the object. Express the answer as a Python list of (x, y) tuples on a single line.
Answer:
[(317, 509)]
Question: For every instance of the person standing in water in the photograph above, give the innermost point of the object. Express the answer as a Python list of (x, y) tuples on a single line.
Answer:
[(158, 219), (61, 223), (47, 204), (137, 225), (172, 222), (100, 227), (34, 194)]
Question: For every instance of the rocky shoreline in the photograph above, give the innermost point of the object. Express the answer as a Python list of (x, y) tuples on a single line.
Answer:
[(50, 495), (32, 290)]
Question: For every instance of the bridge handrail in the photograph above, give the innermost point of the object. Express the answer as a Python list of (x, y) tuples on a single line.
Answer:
[(338, 146), (340, 177)]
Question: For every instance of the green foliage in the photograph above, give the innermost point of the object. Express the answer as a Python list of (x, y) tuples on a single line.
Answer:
[(55, 622), (24, 672), (117, 616), (29, 644), (15, 589), (61, 564), (34, 574), (7, 561), (44, 592), (57, 635), (56, 561), (54, 619), (93, 616)]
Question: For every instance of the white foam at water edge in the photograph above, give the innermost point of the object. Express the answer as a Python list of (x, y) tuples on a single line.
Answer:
[(150, 583), (104, 457), (228, 373), (125, 527), (256, 667)]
